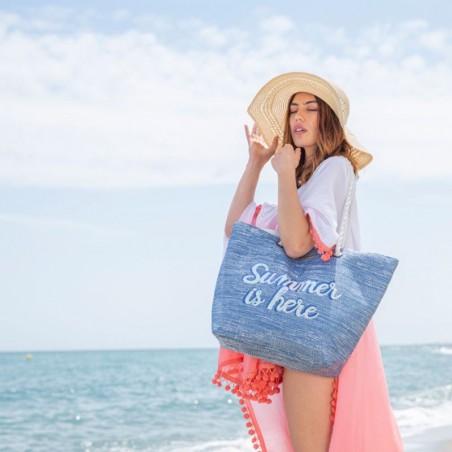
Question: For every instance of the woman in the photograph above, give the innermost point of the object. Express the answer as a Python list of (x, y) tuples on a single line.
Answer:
[(303, 118)]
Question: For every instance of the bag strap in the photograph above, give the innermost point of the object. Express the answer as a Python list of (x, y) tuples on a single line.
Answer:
[(256, 213), (345, 224)]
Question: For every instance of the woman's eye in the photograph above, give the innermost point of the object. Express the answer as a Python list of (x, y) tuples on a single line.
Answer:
[(292, 112)]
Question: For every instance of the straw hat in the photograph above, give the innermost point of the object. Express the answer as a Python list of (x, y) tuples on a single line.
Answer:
[(269, 107)]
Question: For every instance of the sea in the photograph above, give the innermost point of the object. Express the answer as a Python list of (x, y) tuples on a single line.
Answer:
[(164, 400)]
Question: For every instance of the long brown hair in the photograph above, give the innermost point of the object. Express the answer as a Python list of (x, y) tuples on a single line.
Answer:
[(331, 141)]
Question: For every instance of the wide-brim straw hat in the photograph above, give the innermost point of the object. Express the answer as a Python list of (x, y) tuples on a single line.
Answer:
[(269, 107)]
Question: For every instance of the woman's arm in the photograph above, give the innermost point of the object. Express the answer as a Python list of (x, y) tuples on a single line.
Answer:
[(292, 222), (244, 193), (259, 155)]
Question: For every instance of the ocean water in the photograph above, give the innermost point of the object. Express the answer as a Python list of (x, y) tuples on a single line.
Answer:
[(164, 401)]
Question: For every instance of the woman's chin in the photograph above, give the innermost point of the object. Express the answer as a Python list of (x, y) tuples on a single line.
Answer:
[(299, 143)]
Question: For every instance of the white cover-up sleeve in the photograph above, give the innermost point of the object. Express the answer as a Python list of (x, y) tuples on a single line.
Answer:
[(246, 216), (323, 199)]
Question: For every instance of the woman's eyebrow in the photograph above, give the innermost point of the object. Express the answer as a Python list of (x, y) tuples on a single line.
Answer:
[(304, 103)]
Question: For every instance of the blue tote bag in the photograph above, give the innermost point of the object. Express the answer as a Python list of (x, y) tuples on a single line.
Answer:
[(305, 313)]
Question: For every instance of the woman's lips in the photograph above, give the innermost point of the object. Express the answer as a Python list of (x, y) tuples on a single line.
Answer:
[(299, 131)]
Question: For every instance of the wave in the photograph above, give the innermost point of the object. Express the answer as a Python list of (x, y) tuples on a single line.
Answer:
[(238, 445), (429, 398), (424, 410), (444, 351), (413, 421)]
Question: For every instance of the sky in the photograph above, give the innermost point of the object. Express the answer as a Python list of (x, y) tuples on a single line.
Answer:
[(122, 143)]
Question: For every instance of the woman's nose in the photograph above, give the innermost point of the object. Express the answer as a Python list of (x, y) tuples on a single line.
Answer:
[(299, 117)]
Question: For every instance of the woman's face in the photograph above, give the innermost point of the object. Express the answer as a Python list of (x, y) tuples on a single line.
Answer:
[(303, 121)]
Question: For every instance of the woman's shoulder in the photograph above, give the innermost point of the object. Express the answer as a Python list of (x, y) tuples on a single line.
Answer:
[(334, 171), (336, 161), (335, 165)]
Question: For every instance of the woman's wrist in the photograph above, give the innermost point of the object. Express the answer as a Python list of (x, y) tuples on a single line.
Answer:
[(286, 174), (255, 165)]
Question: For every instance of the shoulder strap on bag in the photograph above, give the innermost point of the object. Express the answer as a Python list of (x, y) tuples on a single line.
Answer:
[(256, 213), (345, 224)]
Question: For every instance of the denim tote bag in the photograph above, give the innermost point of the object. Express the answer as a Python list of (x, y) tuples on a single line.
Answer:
[(305, 313)]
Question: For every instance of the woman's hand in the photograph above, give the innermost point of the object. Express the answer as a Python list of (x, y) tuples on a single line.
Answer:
[(286, 159), (258, 151)]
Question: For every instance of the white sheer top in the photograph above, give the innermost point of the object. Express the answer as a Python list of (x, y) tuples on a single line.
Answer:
[(322, 199)]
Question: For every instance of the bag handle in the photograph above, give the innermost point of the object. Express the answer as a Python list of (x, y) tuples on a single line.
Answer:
[(256, 213), (345, 224)]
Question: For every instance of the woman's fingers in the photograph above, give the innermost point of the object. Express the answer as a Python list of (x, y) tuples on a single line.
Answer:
[(253, 135), (256, 131), (247, 132), (256, 137), (274, 143)]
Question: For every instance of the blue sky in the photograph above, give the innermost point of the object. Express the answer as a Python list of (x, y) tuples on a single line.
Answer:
[(122, 143)]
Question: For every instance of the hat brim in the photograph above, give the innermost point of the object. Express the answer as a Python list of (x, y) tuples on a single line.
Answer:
[(268, 109), (359, 154)]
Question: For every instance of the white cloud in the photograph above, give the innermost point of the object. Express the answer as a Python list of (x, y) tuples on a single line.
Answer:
[(276, 24), (437, 40), (120, 14), (65, 223), (132, 109)]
